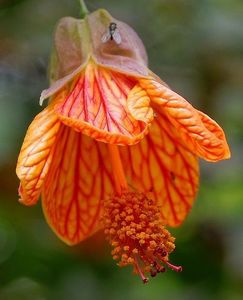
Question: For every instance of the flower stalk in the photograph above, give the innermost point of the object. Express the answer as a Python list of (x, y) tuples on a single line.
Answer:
[(83, 9)]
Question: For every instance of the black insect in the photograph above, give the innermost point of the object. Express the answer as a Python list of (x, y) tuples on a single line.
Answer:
[(112, 34)]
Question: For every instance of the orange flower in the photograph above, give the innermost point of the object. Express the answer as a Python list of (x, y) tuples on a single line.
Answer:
[(115, 147)]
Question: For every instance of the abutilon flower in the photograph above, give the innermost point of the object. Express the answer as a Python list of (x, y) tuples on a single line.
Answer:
[(115, 148)]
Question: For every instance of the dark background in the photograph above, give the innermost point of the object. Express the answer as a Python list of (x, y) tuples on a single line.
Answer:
[(197, 48)]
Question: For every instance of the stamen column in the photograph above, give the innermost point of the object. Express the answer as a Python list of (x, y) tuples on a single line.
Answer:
[(117, 169)]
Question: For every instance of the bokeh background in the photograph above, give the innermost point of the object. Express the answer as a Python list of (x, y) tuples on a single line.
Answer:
[(196, 47)]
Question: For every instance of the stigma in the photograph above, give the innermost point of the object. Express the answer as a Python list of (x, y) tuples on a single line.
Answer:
[(134, 228)]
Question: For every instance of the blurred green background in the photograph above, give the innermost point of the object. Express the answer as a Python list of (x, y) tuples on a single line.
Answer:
[(197, 48)]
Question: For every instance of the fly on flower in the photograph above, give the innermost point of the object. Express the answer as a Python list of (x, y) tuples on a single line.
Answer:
[(112, 34), (97, 156)]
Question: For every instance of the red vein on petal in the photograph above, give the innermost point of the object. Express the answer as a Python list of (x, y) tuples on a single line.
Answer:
[(80, 178), (162, 152), (96, 105)]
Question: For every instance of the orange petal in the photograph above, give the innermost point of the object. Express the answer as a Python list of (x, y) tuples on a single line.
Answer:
[(162, 165), (97, 106), (36, 155), (79, 179), (203, 135), (138, 104)]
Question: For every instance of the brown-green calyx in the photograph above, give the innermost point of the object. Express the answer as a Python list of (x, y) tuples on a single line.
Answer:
[(77, 41)]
